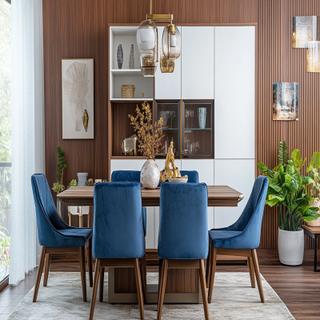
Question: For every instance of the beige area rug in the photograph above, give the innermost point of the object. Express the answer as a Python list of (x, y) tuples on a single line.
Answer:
[(233, 298)]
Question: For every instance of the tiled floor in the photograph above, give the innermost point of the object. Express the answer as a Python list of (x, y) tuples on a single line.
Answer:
[(12, 295)]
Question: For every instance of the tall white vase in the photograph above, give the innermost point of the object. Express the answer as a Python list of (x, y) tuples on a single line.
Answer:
[(82, 178), (291, 247)]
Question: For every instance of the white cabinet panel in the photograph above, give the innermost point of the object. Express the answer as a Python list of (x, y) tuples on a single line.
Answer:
[(197, 55), (234, 92), (239, 175), (167, 85), (205, 169)]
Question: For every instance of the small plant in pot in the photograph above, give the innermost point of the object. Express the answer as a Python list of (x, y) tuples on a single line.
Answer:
[(288, 191)]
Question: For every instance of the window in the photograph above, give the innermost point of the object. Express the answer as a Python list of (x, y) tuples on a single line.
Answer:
[(5, 135)]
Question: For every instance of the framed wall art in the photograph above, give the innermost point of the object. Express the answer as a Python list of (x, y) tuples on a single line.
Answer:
[(77, 99), (285, 101), (305, 28)]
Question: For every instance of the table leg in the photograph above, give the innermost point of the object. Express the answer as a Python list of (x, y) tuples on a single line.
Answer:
[(59, 206)]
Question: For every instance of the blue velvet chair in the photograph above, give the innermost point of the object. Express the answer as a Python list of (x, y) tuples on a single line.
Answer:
[(118, 236), (55, 236), (241, 238), (183, 233)]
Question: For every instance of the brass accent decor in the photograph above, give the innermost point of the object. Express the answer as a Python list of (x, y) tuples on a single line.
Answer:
[(168, 172), (85, 119), (127, 91), (166, 65)]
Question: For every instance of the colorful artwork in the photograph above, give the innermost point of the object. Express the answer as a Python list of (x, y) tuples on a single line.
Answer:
[(285, 101), (313, 56), (305, 29)]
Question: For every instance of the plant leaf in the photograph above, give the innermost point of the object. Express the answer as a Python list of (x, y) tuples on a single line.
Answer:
[(283, 154)]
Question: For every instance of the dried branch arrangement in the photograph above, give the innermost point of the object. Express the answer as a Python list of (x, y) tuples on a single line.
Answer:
[(149, 134)]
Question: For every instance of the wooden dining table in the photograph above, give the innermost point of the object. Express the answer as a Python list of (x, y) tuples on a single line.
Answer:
[(182, 284)]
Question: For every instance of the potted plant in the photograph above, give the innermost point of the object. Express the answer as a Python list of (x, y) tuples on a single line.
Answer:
[(288, 191), (313, 168), (62, 164), (149, 136)]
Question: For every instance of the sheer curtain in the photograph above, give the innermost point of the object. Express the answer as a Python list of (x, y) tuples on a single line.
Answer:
[(27, 131)]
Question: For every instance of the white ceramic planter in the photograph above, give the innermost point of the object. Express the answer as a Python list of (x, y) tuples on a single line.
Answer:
[(150, 174), (291, 247)]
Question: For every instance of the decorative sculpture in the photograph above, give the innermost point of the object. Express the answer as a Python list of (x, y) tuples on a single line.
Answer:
[(120, 56), (168, 173), (131, 57), (85, 119)]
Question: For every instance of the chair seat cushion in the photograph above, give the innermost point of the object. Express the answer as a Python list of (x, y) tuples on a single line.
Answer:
[(78, 236), (219, 237)]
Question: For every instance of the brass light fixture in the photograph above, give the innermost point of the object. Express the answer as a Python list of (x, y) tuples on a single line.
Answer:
[(147, 39)]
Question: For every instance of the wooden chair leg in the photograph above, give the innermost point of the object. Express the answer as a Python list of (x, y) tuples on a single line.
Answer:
[(83, 273), (257, 271), (69, 216), (204, 290), (95, 288), (89, 262), (80, 221), (251, 269), (159, 279), (139, 287), (163, 283), (46, 270), (102, 270), (144, 278), (213, 270), (41, 263), (208, 269)]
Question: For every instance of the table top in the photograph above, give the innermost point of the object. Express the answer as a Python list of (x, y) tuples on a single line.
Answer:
[(314, 230), (218, 196)]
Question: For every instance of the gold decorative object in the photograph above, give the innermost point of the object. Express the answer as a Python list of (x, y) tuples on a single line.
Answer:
[(127, 91), (85, 119), (166, 65), (168, 172), (129, 146)]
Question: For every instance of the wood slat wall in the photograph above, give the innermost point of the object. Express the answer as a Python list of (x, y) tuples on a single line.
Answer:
[(79, 28)]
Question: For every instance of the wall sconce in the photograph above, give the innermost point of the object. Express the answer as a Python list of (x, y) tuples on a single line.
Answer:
[(313, 56), (305, 28), (147, 39), (285, 101)]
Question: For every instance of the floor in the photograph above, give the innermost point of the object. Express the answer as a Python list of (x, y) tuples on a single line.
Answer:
[(298, 287)]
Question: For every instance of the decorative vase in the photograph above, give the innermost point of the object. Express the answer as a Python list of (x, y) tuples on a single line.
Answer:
[(202, 117), (131, 58), (82, 178), (150, 175), (315, 223), (291, 247), (120, 56)]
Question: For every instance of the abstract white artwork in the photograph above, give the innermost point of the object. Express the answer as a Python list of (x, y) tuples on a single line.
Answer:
[(77, 99)]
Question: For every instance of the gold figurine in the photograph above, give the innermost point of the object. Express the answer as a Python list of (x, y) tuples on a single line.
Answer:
[(85, 119), (168, 173)]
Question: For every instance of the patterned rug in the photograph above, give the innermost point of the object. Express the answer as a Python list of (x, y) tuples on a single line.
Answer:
[(233, 298)]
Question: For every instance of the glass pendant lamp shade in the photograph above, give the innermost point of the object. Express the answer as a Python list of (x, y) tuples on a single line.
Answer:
[(313, 56), (147, 40), (171, 42)]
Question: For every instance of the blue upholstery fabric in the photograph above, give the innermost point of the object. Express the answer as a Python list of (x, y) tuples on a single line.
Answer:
[(183, 230), (117, 224), (52, 231), (245, 232), (193, 176), (130, 176)]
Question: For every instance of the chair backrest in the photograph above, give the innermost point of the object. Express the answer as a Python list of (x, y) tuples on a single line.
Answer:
[(117, 224), (183, 230), (134, 176), (48, 219)]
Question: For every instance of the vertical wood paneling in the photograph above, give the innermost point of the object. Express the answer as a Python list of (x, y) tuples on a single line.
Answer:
[(79, 28)]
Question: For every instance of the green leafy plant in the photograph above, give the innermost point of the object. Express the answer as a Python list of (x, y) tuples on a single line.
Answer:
[(62, 164), (73, 183), (288, 190), (89, 182), (313, 168), (4, 248)]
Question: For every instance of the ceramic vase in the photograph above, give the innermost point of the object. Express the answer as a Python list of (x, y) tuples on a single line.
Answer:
[(120, 56), (291, 247), (82, 178), (150, 175), (202, 117), (131, 58)]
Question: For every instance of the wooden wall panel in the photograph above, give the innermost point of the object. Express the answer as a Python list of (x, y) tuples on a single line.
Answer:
[(79, 28)]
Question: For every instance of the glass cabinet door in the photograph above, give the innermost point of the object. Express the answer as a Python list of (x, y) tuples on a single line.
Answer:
[(170, 112), (197, 133)]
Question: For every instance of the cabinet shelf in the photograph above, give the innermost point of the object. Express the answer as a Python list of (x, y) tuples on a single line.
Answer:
[(169, 129), (131, 99), (127, 72), (197, 129)]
